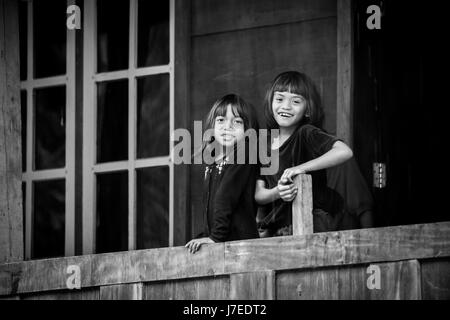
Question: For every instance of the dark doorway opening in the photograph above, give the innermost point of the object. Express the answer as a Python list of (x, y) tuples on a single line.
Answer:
[(399, 109)]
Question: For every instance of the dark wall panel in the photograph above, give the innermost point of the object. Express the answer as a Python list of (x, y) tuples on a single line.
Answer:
[(211, 16)]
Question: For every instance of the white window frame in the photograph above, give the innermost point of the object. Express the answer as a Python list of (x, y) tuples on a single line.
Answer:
[(90, 80), (68, 172)]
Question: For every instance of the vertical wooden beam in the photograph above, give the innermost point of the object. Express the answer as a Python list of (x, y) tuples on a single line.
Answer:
[(253, 286), (182, 214), (344, 112), (11, 224), (302, 206)]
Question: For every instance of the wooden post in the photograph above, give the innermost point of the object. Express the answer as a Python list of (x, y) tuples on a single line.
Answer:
[(344, 111), (11, 224), (302, 219)]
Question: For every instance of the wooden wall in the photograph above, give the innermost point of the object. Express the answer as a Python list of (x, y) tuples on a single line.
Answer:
[(11, 236), (413, 263), (240, 46)]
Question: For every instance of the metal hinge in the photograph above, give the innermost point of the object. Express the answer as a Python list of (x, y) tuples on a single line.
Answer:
[(379, 175)]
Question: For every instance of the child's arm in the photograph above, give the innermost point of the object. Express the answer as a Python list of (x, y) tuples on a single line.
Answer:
[(263, 196), (338, 154)]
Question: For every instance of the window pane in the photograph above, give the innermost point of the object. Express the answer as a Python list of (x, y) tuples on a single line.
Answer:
[(153, 32), (49, 219), (113, 34), (49, 26), (23, 112), (50, 128), (112, 212), (153, 116), (23, 38), (112, 121), (152, 207)]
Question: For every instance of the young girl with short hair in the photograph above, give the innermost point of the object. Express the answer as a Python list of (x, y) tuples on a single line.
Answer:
[(293, 106)]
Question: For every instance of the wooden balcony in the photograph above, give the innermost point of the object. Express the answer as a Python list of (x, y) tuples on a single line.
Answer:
[(404, 262)]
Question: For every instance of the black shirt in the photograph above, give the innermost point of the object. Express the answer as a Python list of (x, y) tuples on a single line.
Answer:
[(229, 201), (306, 143)]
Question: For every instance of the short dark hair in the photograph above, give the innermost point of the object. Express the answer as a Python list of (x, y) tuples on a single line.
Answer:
[(298, 83)]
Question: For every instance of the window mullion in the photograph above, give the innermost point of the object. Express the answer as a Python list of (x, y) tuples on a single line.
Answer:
[(132, 106), (89, 125), (171, 117), (70, 141)]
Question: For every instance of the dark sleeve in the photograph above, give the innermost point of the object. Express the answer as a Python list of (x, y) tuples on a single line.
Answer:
[(227, 198), (317, 141)]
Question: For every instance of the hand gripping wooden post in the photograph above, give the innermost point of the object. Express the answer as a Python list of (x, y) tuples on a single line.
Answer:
[(302, 206)]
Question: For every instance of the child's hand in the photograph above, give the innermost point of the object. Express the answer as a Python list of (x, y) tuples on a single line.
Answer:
[(195, 244), (290, 173), (286, 190)]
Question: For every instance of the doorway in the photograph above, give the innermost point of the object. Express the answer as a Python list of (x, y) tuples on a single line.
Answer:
[(399, 112)]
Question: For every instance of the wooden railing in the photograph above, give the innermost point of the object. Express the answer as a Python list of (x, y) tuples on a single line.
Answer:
[(405, 262)]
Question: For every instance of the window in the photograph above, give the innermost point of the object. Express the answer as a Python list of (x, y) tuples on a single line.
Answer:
[(127, 100), (47, 75), (128, 117)]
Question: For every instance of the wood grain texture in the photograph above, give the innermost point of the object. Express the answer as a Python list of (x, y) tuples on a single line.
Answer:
[(131, 291), (252, 285), (213, 16), (210, 288), (85, 294), (398, 281), (339, 248), (11, 224), (435, 279), (302, 206), (333, 249), (344, 105)]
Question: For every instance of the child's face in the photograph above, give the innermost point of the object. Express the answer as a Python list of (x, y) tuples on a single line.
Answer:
[(288, 108), (228, 129)]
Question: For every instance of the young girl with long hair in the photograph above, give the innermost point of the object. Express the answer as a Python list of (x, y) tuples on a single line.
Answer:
[(229, 187)]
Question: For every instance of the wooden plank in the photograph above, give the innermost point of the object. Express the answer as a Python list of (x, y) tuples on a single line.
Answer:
[(398, 280), (85, 294), (131, 291), (338, 248), (435, 279), (279, 253), (252, 285), (11, 224), (212, 16), (308, 284), (302, 206), (156, 264), (344, 113), (182, 119), (211, 288)]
